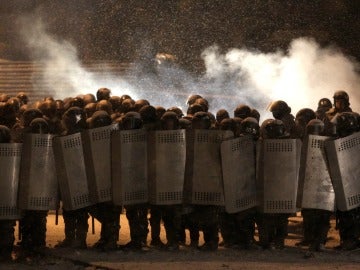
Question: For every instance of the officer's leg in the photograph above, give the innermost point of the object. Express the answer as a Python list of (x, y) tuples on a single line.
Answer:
[(112, 227), (39, 229), (210, 226), (307, 227), (132, 214), (169, 217), (264, 227), (228, 229), (82, 228), (347, 228), (70, 227), (321, 227), (97, 211), (155, 225), (245, 227), (281, 230), (7, 239)]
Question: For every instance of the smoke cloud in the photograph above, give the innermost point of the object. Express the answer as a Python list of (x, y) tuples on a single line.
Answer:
[(300, 77)]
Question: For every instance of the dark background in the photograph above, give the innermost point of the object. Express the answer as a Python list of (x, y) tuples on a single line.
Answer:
[(136, 30)]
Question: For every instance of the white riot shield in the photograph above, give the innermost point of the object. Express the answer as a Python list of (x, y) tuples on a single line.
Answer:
[(10, 158), (38, 187), (129, 167), (344, 159), (97, 154), (166, 166), (238, 167), (70, 168), (315, 187), (278, 174), (203, 174)]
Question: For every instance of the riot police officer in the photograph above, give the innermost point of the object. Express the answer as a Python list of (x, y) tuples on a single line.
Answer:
[(281, 111), (136, 214), (170, 214), (6, 225), (221, 115), (227, 222), (76, 221), (151, 122), (106, 212), (273, 226), (302, 118), (341, 104), (207, 216), (33, 222), (246, 219), (324, 105), (316, 222), (348, 222)]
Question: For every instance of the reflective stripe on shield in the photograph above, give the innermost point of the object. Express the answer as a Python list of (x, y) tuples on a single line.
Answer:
[(166, 164), (97, 154), (344, 159), (38, 187), (129, 167), (315, 187), (10, 157), (70, 168), (279, 162), (238, 167), (203, 175)]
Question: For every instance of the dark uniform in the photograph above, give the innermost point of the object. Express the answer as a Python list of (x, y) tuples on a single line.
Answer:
[(33, 222), (272, 227), (207, 216), (348, 222), (76, 221), (324, 105), (170, 214), (238, 229), (316, 222), (136, 214), (106, 213), (6, 226)]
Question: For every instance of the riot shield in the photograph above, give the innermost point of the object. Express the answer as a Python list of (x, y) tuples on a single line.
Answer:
[(278, 174), (97, 154), (38, 186), (344, 159), (166, 166), (203, 174), (71, 173), (315, 189), (238, 167), (10, 158), (129, 167)]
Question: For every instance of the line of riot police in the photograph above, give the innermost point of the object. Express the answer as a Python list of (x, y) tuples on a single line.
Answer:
[(198, 172)]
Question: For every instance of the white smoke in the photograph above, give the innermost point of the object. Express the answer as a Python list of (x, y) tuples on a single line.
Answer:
[(301, 77), (241, 76)]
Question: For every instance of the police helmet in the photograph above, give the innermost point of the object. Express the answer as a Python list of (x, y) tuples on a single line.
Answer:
[(315, 127), (39, 126), (279, 108), (103, 93), (273, 129), (131, 120), (100, 119), (170, 121)]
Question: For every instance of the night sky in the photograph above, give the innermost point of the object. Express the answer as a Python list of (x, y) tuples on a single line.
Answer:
[(137, 30)]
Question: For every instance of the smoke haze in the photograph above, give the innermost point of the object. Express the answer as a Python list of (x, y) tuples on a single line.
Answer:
[(300, 77)]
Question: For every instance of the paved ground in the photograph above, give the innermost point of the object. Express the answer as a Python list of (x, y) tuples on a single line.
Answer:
[(291, 258)]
